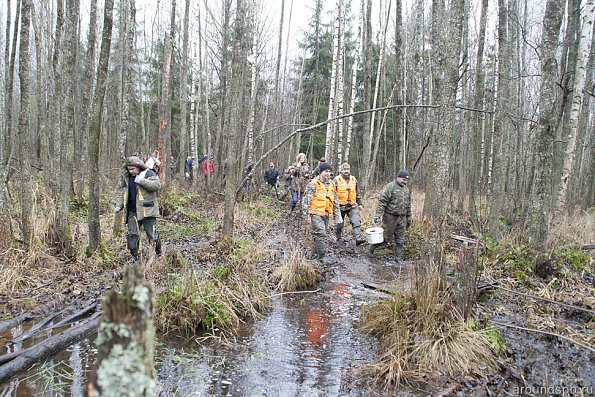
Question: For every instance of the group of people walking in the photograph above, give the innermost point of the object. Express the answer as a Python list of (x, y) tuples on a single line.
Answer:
[(318, 196)]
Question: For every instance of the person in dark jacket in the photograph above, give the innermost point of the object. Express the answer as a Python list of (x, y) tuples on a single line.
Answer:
[(138, 197), (189, 169), (271, 178), (394, 205)]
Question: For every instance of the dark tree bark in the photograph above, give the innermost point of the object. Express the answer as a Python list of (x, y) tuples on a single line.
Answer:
[(546, 129), (95, 127)]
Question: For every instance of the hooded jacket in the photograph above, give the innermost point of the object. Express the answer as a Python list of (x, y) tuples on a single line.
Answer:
[(147, 205)]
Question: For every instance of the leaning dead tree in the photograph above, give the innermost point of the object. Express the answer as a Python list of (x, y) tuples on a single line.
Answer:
[(125, 341)]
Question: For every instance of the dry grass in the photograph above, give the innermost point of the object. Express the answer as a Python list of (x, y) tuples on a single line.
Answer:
[(422, 335), (577, 228), (295, 272)]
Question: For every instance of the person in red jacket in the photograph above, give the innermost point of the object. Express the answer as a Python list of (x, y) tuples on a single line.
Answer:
[(208, 168)]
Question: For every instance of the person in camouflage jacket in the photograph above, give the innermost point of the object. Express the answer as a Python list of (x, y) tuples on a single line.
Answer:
[(320, 202), (394, 205), (301, 178), (137, 195)]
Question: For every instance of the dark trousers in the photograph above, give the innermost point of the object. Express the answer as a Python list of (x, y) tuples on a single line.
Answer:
[(132, 236)]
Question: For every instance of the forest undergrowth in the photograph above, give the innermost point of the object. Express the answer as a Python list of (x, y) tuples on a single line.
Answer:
[(204, 282)]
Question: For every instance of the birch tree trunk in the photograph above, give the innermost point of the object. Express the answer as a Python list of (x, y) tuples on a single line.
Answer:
[(370, 166), (184, 93), (331, 126), (546, 129), (353, 94), (337, 149), (26, 191), (164, 137), (95, 127), (584, 49)]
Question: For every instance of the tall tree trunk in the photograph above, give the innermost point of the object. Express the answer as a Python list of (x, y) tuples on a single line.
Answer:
[(26, 191), (88, 89), (546, 127), (164, 138), (331, 126), (184, 93), (446, 55), (353, 94), (582, 56), (237, 67), (498, 173), (95, 126), (67, 151)]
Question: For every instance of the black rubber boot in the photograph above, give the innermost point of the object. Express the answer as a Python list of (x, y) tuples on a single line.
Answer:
[(399, 252)]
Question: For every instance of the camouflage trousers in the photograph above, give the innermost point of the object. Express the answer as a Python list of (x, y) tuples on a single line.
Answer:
[(319, 227)]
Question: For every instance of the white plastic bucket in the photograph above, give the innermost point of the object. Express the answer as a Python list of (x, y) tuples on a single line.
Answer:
[(375, 235)]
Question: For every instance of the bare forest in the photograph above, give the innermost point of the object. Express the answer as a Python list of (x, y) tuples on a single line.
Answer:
[(489, 105)]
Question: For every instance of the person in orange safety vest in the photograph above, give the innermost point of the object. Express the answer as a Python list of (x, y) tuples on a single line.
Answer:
[(350, 201), (320, 202)]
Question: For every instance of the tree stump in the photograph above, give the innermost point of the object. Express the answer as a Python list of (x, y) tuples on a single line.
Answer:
[(125, 341)]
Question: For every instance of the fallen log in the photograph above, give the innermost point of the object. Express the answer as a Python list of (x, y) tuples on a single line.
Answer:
[(566, 305), (38, 327), (15, 322), (376, 287), (91, 308), (48, 347)]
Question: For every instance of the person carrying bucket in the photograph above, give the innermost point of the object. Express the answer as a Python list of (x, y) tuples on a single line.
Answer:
[(394, 204), (321, 203), (349, 201)]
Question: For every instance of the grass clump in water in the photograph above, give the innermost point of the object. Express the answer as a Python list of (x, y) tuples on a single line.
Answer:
[(421, 333), (220, 297), (295, 273)]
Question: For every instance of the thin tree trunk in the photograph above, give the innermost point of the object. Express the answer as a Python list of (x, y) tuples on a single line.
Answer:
[(184, 93), (67, 151), (95, 127), (25, 191)]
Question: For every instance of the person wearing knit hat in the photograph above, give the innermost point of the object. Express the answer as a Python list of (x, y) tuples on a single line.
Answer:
[(350, 200), (394, 205), (320, 203), (137, 195)]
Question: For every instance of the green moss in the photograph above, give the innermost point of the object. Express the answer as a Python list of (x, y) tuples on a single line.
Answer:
[(576, 259), (124, 373), (495, 339)]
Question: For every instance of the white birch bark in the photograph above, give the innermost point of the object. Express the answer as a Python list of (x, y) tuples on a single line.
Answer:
[(353, 95), (584, 49), (330, 127), (340, 93)]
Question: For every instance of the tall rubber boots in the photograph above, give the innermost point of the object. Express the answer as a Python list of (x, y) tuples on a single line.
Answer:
[(357, 233), (399, 251)]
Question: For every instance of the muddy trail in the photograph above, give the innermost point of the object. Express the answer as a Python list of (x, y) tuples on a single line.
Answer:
[(308, 343)]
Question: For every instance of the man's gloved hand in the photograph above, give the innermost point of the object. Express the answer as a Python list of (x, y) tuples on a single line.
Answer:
[(140, 176), (409, 222), (117, 209), (376, 219)]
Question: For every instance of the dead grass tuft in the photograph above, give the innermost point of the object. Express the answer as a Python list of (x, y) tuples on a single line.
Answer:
[(422, 334), (576, 228), (295, 273)]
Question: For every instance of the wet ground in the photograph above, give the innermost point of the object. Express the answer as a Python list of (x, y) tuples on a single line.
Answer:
[(308, 344)]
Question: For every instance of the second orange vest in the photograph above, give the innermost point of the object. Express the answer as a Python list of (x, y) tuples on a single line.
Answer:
[(346, 190)]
